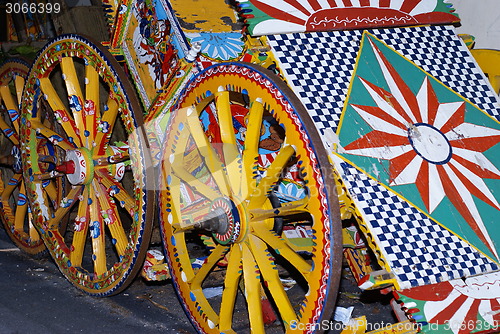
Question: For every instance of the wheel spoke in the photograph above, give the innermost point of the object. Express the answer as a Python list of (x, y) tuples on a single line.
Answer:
[(91, 108), (194, 183), (251, 149), (64, 208), (112, 220), (231, 282), (210, 157), (232, 158), (81, 229), (52, 192), (61, 113), (74, 92), (11, 186), (260, 194), (252, 277), (286, 209), (33, 232), (19, 83), (107, 123), (214, 257), (281, 247), (21, 208), (52, 136), (10, 133), (116, 190), (97, 235), (7, 98), (270, 275)]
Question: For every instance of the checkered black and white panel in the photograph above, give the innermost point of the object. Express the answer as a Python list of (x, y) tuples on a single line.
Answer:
[(419, 250), (318, 66), (441, 53)]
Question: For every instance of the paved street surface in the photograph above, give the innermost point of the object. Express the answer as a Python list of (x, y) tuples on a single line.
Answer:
[(36, 299)]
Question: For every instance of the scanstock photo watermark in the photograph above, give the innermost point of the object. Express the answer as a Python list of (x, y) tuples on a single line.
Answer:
[(329, 325)]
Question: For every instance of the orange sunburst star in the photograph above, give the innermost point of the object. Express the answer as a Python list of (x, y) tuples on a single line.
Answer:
[(428, 143)]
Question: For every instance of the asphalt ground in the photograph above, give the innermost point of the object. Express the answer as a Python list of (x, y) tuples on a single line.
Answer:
[(36, 298)]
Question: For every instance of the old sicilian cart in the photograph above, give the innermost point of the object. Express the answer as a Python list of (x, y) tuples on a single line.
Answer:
[(268, 151)]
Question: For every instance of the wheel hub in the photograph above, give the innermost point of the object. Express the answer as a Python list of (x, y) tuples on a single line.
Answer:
[(83, 166), (225, 221)]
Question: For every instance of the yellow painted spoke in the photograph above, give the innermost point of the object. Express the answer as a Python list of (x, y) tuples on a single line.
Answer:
[(111, 159), (251, 149), (178, 169), (216, 255), (210, 156), (122, 195), (67, 122), (65, 207), (81, 229), (251, 275), (231, 282), (112, 219), (194, 183), (52, 192), (286, 209), (271, 277), (97, 234), (109, 117), (92, 99), (19, 83), (281, 247), (9, 104), (52, 136), (273, 174), (73, 88), (21, 210), (5, 128), (231, 152), (33, 232), (9, 189), (7, 98)]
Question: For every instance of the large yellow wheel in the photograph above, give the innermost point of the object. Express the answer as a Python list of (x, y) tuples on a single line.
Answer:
[(249, 213), (98, 150), (14, 208)]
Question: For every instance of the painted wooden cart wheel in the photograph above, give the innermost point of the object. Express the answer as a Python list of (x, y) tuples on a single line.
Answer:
[(248, 207), (14, 208), (98, 149)]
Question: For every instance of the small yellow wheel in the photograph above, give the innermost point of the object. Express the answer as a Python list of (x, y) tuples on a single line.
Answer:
[(249, 213), (95, 152), (14, 208)]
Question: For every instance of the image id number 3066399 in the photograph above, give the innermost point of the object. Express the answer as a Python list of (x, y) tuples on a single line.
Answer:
[(32, 7)]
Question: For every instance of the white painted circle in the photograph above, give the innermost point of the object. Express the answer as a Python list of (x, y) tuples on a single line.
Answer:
[(430, 143)]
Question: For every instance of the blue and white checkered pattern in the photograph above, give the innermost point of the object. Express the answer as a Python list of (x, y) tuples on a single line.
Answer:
[(441, 53), (418, 250), (319, 66)]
